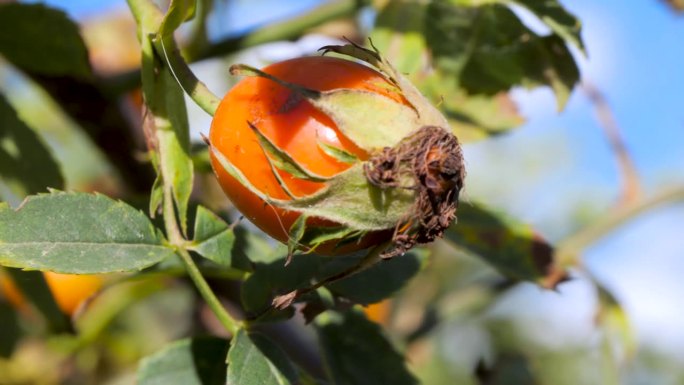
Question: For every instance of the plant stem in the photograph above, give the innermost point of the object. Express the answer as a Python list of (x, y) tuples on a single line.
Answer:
[(289, 29), (286, 30), (170, 219), (207, 293), (193, 87), (374, 256), (149, 18), (176, 238), (568, 251), (631, 185)]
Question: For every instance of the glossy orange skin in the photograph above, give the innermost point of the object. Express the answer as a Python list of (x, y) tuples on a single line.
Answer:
[(292, 124), (69, 290)]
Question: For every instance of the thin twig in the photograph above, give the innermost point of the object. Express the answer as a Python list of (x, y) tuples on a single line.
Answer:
[(569, 250), (631, 185), (191, 85), (371, 259), (149, 17)]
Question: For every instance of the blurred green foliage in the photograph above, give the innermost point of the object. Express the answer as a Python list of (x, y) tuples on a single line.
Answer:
[(66, 123)]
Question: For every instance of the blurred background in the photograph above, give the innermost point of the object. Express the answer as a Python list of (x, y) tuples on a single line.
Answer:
[(617, 145)]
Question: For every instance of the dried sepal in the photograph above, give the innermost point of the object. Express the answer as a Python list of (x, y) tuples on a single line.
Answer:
[(372, 57), (430, 163)]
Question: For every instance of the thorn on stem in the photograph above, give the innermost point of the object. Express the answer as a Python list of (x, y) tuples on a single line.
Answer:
[(283, 301), (205, 139)]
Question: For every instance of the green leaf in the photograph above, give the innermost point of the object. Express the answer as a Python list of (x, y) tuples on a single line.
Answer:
[(10, 333), (214, 239), (487, 49), (113, 301), (156, 197), (472, 117), (399, 35), (255, 360), (509, 246), (270, 279), (356, 352), (26, 165), (43, 40), (251, 247), (379, 281), (78, 233), (35, 289), (552, 13), (611, 317), (197, 361)]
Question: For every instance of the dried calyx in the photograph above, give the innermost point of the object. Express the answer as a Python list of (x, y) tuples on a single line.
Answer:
[(430, 163), (410, 183)]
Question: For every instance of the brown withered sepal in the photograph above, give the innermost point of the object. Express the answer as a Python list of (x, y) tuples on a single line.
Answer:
[(430, 161)]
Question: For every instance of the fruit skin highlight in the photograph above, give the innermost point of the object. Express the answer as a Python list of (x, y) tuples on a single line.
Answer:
[(331, 155), (69, 290), (296, 127)]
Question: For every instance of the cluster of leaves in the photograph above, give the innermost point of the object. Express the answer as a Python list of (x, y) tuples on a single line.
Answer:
[(479, 50)]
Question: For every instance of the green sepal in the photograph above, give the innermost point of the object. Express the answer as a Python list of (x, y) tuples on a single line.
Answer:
[(371, 57), (245, 70), (278, 177), (282, 160), (348, 199), (337, 153), (308, 238), (368, 119), (295, 235), (318, 235), (428, 115)]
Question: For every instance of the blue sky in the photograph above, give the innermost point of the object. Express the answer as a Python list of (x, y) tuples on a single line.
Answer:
[(636, 58)]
